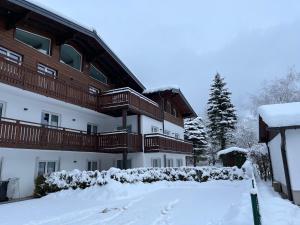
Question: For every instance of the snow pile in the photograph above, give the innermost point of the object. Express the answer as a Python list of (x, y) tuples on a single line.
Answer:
[(82, 179), (279, 115), (232, 149)]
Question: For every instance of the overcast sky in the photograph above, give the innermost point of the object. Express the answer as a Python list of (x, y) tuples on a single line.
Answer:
[(184, 43)]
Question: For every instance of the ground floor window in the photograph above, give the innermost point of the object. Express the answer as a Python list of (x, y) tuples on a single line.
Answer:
[(179, 162), (120, 164), (156, 162), (46, 167), (169, 162), (92, 165)]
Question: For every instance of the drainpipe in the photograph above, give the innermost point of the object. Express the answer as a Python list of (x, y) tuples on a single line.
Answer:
[(285, 165), (271, 166)]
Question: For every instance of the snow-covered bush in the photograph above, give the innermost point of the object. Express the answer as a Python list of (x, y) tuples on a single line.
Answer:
[(82, 179)]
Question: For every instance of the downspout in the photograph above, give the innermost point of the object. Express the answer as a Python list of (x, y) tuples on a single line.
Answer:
[(271, 166), (285, 165)]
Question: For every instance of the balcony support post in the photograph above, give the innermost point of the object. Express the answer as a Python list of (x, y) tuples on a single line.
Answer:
[(124, 127)]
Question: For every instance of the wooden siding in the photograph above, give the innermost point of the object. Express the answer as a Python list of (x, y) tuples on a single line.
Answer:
[(23, 134), (162, 143)]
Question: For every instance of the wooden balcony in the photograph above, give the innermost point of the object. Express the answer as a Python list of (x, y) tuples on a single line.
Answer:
[(112, 101), (29, 79), (22, 134), (176, 120), (163, 143)]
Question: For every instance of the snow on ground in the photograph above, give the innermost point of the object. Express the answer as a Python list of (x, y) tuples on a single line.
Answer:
[(161, 203)]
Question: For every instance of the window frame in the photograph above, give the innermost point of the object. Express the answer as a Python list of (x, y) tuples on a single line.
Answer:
[(81, 58), (3, 111), (169, 162), (91, 165), (158, 160), (177, 135), (48, 68), (179, 164), (154, 128), (8, 58), (92, 126), (34, 34), (92, 65), (167, 133), (50, 116), (46, 166)]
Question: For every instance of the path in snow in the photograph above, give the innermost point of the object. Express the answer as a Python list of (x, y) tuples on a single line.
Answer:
[(162, 203)]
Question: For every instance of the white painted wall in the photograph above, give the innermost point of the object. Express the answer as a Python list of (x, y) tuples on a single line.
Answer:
[(173, 128), (147, 123), (275, 151), (293, 156)]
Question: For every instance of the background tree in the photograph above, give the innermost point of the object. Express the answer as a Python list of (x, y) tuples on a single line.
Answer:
[(195, 131), (221, 115)]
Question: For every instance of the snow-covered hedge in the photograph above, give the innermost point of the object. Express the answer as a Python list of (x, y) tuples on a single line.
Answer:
[(81, 179)]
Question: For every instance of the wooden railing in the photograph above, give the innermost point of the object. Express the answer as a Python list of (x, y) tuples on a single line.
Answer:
[(119, 98), (29, 79), (176, 120), (23, 134), (159, 142)]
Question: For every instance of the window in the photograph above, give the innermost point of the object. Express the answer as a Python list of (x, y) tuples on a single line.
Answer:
[(93, 90), (167, 132), (50, 119), (177, 135), (174, 112), (168, 106), (40, 43), (120, 164), (91, 129), (179, 162), (2, 108), (156, 162), (97, 74), (154, 129), (169, 163), (46, 167), (70, 56), (45, 70), (11, 56), (92, 165)]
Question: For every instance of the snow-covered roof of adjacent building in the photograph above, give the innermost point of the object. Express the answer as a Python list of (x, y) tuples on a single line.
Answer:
[(161, 89), (280, 115), (232, 149)]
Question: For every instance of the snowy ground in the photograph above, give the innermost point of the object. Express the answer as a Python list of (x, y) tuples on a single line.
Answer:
[(162, 203)]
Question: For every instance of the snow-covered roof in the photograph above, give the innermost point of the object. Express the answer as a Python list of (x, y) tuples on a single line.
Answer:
[(161, 89), (280, 115), (232, 149)]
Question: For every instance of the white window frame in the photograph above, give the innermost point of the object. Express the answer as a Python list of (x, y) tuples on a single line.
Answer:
[(106, 80), (91, 163), (167, 132), (179, 162), (50, 115), (169, 162), (3, 109), (46, 166), (158, 162), (8, 55), (50, 44), (80, 69), (177, 135), (45, 71), (153, 128)]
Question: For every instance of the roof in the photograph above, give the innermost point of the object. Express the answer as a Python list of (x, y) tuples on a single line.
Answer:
[(73, 25), (280, 115), (176, 91), (232, 149)]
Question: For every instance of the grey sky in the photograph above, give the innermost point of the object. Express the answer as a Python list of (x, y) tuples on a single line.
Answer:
[(186, 42)]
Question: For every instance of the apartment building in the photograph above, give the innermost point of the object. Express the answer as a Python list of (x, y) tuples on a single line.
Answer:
[(68, 102)]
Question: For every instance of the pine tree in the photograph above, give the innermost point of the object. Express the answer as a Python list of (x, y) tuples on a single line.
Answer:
[(221, 115), (195, 131)]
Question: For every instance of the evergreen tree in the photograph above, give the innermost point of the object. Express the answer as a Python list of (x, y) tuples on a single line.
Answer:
[(195, 131), (221, 115)]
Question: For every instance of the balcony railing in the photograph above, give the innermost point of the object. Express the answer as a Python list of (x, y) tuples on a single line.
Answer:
[(29, 79), (135, 101), (159, 142), (26, 78), (23, 134)]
